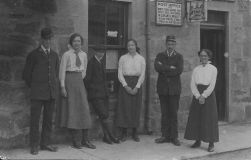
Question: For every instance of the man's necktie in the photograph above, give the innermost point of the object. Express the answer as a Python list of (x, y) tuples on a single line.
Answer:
[(78, 61)]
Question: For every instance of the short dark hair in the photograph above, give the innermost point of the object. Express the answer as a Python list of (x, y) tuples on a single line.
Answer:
[(136, 44), (73, 36), (209, 53)]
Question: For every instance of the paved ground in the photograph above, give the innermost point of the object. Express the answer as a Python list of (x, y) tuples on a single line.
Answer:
[(232, 137), (244, 154)]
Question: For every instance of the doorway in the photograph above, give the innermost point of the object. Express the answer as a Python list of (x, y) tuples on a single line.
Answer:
[(212, 37)]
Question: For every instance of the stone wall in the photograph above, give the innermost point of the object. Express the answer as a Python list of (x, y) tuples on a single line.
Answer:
[(20, 26), (239, 65)]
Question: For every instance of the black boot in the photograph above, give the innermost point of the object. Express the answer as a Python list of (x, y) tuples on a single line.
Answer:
[(107, 133), (123, 135), (210, 147), (76, 136), (114, 140), (85, 141), (196, 144), (135, 136)]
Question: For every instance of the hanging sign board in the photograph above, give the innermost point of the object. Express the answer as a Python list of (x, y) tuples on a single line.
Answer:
[(169, 12), (197, 10)]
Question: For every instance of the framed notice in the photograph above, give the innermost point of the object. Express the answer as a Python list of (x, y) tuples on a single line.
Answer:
[(169, 12), (197, 10)]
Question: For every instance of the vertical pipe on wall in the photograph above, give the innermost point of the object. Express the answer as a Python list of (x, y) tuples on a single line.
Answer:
[(148, 62)]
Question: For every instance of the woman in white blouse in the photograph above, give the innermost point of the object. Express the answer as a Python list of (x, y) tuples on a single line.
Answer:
[(202, 122), (131, 74), (74, 109)]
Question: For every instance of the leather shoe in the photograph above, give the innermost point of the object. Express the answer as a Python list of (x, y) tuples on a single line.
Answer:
[(34, 150), (107, 140), (176, 142), (162, 140), (88, 144), (210, 148), (114, 140), (196, 144), (76, 146), (49, 148), (136, 138), (123, 138)]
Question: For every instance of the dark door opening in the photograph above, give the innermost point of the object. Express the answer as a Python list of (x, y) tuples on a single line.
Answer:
[(214, 40)]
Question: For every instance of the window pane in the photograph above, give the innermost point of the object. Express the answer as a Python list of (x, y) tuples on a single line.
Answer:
[(96, 29), (115, 24)]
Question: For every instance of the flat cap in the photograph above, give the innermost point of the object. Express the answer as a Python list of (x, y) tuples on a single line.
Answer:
[(170, 38)]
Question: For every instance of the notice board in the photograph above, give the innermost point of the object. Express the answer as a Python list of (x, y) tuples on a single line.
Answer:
[(169, 12)]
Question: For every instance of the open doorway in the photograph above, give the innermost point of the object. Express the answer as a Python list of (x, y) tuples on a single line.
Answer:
[(212, 37)]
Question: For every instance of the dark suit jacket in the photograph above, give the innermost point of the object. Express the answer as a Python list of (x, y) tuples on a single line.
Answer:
[(41, 74), (168, 82), (95, 79)]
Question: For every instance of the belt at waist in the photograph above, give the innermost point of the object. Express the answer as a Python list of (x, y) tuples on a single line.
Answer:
[(131, 76), (73, 72)]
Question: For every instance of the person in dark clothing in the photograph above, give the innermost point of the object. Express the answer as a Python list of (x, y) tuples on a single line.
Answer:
[(41, 75), (169, 65), (95, 83), (202, 122)]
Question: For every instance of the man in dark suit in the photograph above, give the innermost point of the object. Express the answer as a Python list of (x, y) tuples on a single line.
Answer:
[(169, 65), (41, 75), (95, 83)]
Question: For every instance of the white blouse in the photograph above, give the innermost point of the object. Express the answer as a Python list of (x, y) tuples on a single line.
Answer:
[(68, 63), (131, 66), (205, 75)]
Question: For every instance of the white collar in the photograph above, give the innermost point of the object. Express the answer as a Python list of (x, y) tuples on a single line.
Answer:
[(170, 54), (44, 49), (209, 62), (98, 59), (136, 54)]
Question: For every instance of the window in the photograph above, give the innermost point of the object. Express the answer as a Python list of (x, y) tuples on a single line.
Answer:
[(107, 23)]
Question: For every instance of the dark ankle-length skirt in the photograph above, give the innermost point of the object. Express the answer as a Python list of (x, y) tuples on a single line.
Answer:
[(74, 112), (129, 106), (203, 119)]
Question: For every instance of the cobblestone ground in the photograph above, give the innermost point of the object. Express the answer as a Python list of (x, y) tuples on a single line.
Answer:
[(236, 155)]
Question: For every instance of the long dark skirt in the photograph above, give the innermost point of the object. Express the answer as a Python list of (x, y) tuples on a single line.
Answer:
[(128, 110), (74, 110), (203, 119)]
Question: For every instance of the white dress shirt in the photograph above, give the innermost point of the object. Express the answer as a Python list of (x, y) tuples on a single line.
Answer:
[(205, 75), (68, 63), (131, 66)]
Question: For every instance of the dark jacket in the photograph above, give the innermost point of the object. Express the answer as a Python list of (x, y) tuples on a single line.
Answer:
[(168, 82), (41, 74), (95, 81)]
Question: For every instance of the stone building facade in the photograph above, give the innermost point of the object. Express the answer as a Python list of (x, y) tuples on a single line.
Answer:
[(21, 21)]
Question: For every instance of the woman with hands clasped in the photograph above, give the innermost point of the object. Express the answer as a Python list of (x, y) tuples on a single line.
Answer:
[(202, 122), (131, 74)]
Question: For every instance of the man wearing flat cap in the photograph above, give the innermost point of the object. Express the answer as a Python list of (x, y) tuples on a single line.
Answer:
[(41, 76), (169, 65)]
